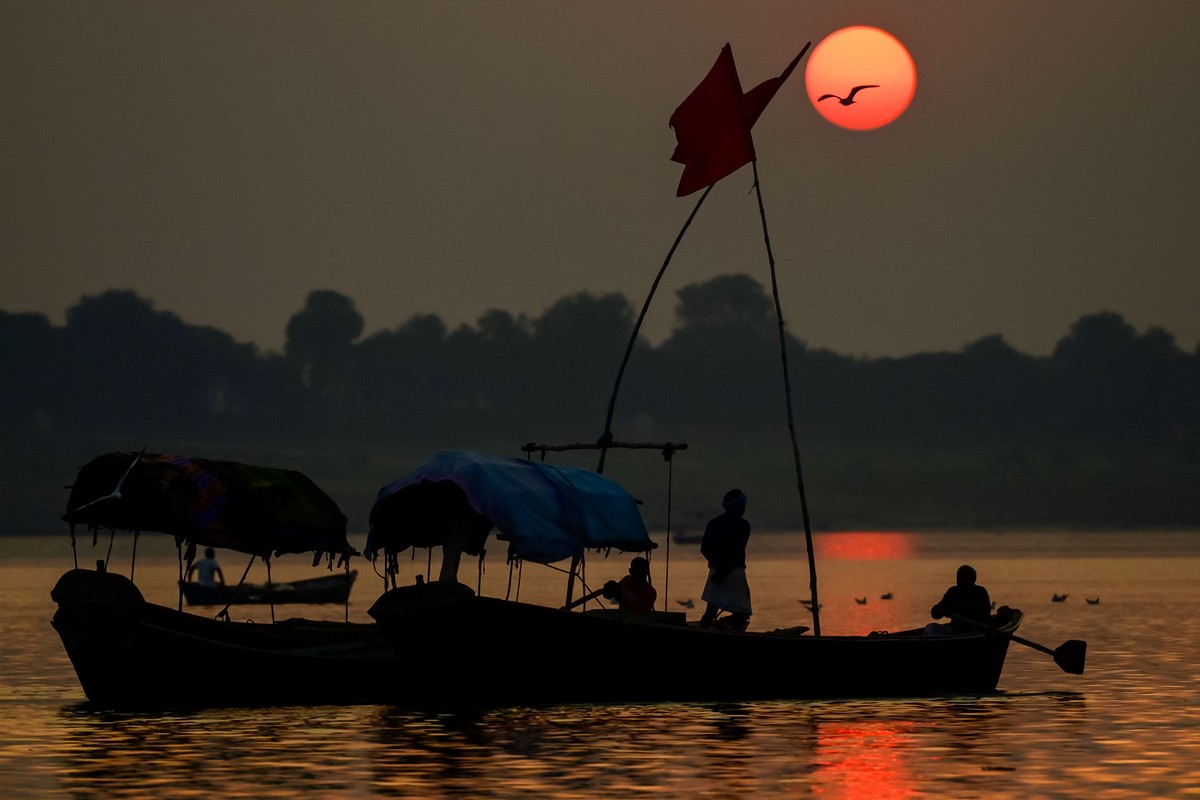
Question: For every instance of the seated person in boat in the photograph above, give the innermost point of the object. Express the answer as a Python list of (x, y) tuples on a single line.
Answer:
[(207, 568), (966, 599), (724, 547), (633, 592)]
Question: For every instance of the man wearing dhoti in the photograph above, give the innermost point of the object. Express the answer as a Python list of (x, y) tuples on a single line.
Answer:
[(724, 546)]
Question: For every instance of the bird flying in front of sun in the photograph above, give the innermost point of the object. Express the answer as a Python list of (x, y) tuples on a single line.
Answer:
[(860, 59)]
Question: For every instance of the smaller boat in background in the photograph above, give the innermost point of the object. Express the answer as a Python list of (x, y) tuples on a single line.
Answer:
[(333, 588), (1058, 598), (684, 536)]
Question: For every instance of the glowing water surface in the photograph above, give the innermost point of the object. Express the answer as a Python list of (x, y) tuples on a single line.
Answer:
[(1129, 727)]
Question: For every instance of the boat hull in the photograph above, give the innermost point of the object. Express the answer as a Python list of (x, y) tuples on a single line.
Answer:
[(537, 654), (129, 653), (444, 648)]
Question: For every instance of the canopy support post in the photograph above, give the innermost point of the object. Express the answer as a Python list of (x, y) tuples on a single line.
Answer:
[(576, 560), (267, 561), (224, 612), (670, 481), (133, 559), (179, 553)]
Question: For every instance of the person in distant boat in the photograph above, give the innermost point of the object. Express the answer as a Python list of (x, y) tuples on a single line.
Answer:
[(633, 592), (965, 598), (724, 547), (207, 569)]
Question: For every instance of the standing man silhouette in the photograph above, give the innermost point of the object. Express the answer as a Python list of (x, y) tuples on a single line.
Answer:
[(724, 547)]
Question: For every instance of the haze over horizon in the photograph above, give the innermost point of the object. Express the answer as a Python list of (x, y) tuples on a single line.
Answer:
[(226, 160)]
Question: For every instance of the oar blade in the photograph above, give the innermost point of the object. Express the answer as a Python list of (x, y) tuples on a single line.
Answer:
[(1070, 656)]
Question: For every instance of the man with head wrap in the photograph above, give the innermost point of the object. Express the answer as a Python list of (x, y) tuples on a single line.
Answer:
[(724, 546)]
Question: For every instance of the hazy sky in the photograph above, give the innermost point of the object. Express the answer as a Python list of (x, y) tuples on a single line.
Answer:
[(224, 159)]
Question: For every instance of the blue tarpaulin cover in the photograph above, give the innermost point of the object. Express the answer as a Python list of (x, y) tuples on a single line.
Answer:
[(546, 513)]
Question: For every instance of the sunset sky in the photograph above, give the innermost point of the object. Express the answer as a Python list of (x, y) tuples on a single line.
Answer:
[(225, 159)]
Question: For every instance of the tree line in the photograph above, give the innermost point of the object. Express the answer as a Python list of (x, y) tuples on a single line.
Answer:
[(1110, 402)]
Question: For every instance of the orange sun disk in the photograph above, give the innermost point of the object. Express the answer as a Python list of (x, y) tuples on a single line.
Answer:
[(860, 56)]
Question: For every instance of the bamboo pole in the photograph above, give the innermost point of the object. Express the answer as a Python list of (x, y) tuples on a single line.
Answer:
[(787, 387), (612, 402)]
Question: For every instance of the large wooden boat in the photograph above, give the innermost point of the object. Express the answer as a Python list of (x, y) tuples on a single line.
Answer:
[(128, 652), (537, 654), (484, 650)]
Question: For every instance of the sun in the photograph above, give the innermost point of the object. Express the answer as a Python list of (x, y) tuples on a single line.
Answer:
[(860, 56)]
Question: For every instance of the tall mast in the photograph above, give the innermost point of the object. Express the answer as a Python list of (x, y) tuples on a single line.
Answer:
[(787, 388)]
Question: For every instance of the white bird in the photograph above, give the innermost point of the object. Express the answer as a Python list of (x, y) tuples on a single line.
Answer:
[(116, 493), (848, 99)]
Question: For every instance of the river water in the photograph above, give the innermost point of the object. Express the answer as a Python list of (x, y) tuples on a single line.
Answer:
[(1128, 728)]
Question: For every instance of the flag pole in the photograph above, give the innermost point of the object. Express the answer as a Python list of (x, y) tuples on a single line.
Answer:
[(607, 437), (787, 387)]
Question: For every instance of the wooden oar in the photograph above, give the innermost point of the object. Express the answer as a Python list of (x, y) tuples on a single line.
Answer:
[(1069, 655), (583, 599)]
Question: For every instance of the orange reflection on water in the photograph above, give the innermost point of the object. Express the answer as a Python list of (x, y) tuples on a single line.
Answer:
[(865, 545), (863, 760)]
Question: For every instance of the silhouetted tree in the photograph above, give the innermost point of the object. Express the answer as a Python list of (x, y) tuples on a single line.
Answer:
[(1115, 384), (402, 377), (319, 341), (1112, 406), (31, 357), (488, 359), (576, 349), (721, 365), (137, 370), (1004, 392)]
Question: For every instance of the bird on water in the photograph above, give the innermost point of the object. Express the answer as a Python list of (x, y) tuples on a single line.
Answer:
[(848, 99)]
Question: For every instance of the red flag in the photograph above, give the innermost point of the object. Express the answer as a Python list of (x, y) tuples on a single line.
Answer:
[(712, 126), (713, 141), (757, 98)]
